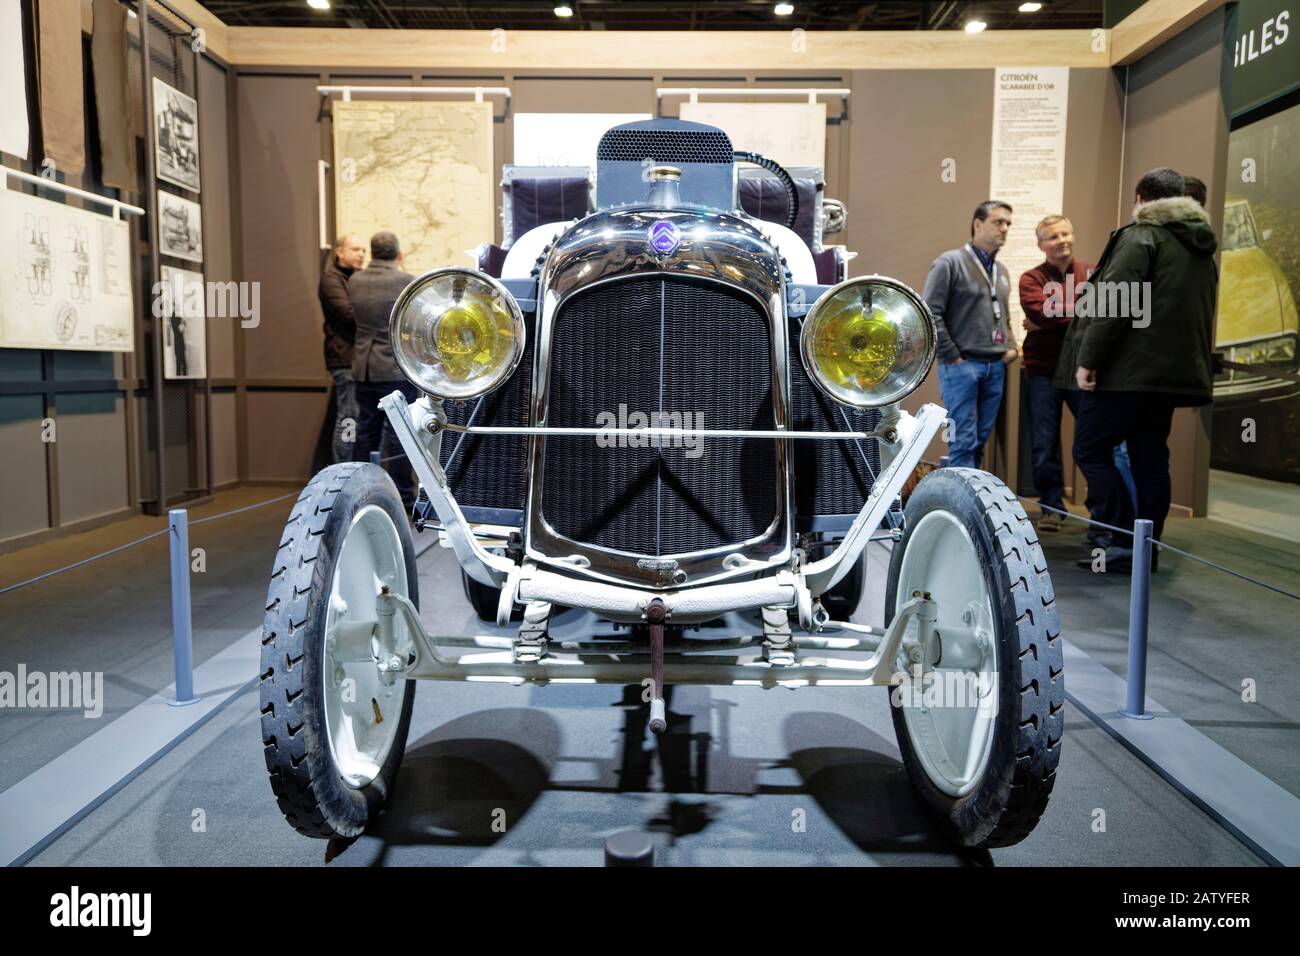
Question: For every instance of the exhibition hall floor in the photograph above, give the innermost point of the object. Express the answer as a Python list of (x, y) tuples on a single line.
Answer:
[(569, 765), (114, 616), (1209, 633), (1269, 507)]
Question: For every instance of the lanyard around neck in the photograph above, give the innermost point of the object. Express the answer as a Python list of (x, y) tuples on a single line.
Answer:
[(989, 280)]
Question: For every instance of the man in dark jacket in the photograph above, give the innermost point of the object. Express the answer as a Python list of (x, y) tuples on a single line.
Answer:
[(967, 292), (1139, 347), (348, 255), (374, 290), (1048, 294)]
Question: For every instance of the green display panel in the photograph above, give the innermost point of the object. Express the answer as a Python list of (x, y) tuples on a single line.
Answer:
[(1266, 54)]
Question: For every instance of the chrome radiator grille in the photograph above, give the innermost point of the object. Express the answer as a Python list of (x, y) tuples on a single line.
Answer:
[(671, 346)]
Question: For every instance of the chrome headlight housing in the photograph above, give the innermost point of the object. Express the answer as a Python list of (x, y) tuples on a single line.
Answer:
[(868, 342), (457, 333)]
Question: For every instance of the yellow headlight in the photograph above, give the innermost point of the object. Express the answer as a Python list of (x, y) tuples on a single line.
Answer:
[(457, 333), (868, 342)]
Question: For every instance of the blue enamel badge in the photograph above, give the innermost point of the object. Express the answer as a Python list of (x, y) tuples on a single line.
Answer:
[(664, 237)]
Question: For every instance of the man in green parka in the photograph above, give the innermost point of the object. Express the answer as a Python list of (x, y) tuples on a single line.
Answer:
[(1139, 347)]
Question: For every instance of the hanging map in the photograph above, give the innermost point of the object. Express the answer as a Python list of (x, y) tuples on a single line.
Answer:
[(65, 282), (420, 170)]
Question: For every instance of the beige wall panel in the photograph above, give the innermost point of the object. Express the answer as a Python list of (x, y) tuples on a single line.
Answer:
[(1176, 113), (282, 432), (224, 451), (1153, 23), (279, 145), (908, 215), (902, 215), (1093, 142), (218, 251), (23, 503), (92, 455), (582, 94)]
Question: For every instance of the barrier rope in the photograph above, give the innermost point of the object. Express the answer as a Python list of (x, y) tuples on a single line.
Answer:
[(1167, 547), (131, 544), (83, 561), (1219, 567), (1154, 542)]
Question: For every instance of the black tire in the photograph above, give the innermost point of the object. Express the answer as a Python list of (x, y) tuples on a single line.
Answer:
[(482, 598), (311, 793), (1010, 797), (842, 600)]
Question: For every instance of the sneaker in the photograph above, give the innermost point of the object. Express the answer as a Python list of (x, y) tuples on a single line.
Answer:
[(1049, 521), (1099, 538)]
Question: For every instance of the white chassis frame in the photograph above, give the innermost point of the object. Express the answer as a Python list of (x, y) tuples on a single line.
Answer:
[(409, 651)]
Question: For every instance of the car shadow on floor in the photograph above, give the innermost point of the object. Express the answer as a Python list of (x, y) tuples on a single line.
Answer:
[(473, 780)]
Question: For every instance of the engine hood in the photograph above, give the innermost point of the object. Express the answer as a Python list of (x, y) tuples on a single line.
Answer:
[(1254, 299), (680, 240)]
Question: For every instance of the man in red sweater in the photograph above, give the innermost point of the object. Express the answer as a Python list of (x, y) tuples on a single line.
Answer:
[(1048, 294)]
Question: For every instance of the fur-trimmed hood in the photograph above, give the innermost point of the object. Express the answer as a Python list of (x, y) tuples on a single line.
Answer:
[(1184, 217)]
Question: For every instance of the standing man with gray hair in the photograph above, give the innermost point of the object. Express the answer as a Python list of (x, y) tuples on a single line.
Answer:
[(967, 293), (374, 291), (1048, 293), (347, 256)]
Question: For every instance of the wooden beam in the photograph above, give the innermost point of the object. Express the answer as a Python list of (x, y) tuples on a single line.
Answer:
[(1142, 31), (653, 50), (1152, 24), (214, 30)]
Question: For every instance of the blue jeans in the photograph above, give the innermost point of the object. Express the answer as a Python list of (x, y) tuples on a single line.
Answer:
[(1126, 472), (345, 413), (1045, 401), (972, 393)]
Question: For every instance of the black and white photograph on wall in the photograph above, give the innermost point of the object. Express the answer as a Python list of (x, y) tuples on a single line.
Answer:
[(180, 227), (176, 135), (184, 335)]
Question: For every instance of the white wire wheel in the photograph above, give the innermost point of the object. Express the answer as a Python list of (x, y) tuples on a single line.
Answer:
[(360, 709), (980, 717), (333, 731), (949, 713)]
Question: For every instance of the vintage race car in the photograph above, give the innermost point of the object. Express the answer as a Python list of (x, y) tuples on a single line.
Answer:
[(658, 422), (1258, 323)]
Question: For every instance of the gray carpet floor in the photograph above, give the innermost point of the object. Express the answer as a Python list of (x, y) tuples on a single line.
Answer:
[(1212, 636), (565, 766), (114, 616)]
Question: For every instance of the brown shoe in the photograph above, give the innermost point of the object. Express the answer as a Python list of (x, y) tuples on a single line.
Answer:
[(1049, 521)]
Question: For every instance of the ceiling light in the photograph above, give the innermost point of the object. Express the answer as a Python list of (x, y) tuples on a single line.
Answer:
[(1031, 7), (975, 26), (319, 4), (564, 10), (783, 9)]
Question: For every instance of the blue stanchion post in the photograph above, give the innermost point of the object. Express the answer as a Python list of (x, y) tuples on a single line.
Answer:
[(1139, 612), (374, 458), (178, 526)]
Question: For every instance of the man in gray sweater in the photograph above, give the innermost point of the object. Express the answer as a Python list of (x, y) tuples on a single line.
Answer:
[(968, 292)]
